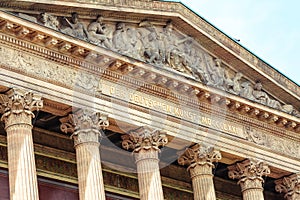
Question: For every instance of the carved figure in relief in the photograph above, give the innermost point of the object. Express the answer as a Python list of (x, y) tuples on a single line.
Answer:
[(254, 135), (152, 43), (262, 97), (50, 21), (152, 49), (171, 42), (136, 46), (195, 63), (216, 73), (120, 38), (178, 62), (233, 85), (247, 90), (97, 33), (76, 29)]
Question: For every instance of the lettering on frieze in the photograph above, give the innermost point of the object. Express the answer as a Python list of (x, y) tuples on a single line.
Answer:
[(169, 108), (245, 132)]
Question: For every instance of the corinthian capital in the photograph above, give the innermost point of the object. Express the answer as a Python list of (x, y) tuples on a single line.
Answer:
[(17, 101), (290, 186), (199, 155), (144, 138), (249, 170), (84, 125)]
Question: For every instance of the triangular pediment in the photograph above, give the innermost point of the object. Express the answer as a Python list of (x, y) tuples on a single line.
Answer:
[(168, 42)]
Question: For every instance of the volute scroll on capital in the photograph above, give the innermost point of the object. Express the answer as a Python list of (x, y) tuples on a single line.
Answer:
[(290, 186), (144, 138), (249, 170), (84, 125), (17, 101), (199, 155)]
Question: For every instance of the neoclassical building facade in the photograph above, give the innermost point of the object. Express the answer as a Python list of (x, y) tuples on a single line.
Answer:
[(122, 100)]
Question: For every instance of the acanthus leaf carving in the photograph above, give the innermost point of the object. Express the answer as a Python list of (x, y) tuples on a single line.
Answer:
[(18, 101), (289, 185), (199, 154), (84, 125), (249, 172), (144, 138)]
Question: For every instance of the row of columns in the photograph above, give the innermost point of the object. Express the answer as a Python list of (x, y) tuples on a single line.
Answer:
[(85, 127)]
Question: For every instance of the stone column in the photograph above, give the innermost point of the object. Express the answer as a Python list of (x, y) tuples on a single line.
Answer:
[(84, 126), (18, 106), (199, 160), (145, 144), (290, 186), (250, 173)]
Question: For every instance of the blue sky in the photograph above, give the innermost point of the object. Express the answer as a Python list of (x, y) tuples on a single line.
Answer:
[(268, 28)]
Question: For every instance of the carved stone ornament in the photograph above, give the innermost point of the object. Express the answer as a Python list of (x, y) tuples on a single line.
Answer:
[(84, 125), (253, 135), (144, 138), (249, 173), (290, 186), (51, 71), (18, 102), (164, 47), (199, 155)]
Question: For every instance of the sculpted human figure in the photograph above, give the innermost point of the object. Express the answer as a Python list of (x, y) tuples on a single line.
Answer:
[(233, 85), (76, 29), (50, 21), (171, 42), (136, 47), (97, 34), (247, 90), (195, 61), (152, 48), (259, 95), (120, 39), (216, 73), (263, 98)]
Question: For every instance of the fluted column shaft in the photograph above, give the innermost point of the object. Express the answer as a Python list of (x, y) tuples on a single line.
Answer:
[(149, 175), (84, 126), (250, 173), (200, 160), (253, 194), (21, 163), (90, 180), (145, 144), (202, 180)]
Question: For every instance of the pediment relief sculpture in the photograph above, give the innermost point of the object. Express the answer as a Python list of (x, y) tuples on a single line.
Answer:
[(164, 47)]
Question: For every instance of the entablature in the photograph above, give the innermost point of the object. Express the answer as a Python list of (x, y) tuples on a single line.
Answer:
[(210, 38)]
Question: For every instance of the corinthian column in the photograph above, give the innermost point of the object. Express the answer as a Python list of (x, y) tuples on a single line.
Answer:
[(199, 160), (250, 173), (84, 126), (145, 144), (290, 186), (18, 106)]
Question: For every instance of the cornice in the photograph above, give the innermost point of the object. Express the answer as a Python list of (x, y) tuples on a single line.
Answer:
[(77, 54), (167, 10)]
